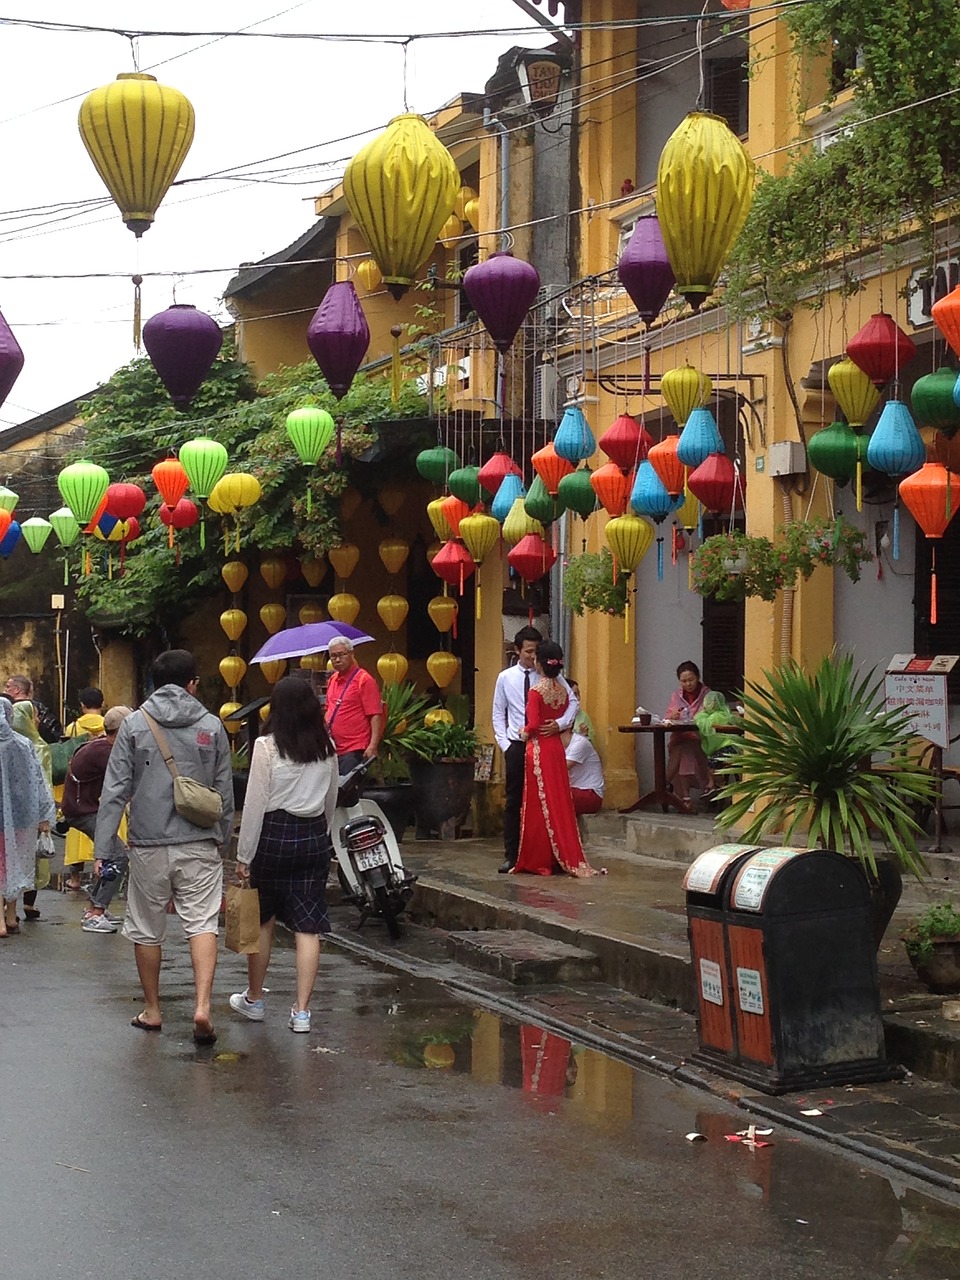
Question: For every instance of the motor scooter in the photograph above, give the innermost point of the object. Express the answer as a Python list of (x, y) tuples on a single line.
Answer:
[(369, 865)]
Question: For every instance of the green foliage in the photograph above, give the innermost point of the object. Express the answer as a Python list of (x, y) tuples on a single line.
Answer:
[(940, 921), (451, 742), (804, 764), (404, 733), (900, 158), (588, 585)]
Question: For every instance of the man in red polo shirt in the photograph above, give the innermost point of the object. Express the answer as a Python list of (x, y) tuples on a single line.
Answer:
[(355, 714)]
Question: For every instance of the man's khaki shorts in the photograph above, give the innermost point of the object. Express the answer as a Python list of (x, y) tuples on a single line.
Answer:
[(191, 874)]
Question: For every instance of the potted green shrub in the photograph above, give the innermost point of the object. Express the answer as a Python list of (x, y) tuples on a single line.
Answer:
[(804, 766), (442, 777), (933, 944), (589, 585)]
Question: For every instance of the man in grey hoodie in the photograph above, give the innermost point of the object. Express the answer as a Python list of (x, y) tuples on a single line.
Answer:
[(170, 857)]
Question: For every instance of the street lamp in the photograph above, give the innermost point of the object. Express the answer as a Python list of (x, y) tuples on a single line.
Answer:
[(540, 73)]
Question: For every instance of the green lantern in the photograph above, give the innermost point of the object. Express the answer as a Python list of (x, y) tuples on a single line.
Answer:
[(8, 499), (576, 493), (204, 460), (65, 525), (35, 532), (836, 450), (539, 504), (463, 484), (933, 402), (311, 430), (82, 486), (437, 463)]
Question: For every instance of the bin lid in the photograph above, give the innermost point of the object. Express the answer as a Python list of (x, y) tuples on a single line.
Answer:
[(705, 872), (755, 875)]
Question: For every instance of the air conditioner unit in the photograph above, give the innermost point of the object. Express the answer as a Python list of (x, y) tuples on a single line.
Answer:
[(546, 389), (824, 141)]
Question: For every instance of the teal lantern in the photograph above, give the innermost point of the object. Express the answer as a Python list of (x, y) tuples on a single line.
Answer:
[(699, 438), (437, 463), (574, 439), (83, 486), (511, 488), (896, 446), (35, 532), (933, 401)]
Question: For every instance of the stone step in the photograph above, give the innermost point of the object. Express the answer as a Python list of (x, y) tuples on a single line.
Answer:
[(522, 957)]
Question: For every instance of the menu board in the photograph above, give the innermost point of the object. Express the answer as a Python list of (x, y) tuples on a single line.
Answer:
[(924, 695)]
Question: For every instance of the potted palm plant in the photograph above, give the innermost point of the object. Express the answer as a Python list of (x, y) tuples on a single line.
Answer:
[(443, 776), (805, 766)]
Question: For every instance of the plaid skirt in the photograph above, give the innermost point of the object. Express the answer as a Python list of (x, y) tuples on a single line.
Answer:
[(290, 871)]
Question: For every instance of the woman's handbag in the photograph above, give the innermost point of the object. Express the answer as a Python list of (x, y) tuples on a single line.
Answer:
[(197, 803), (243, 920), (44, 854)]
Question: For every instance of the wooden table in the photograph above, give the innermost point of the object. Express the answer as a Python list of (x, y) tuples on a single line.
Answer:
[(660, 795)]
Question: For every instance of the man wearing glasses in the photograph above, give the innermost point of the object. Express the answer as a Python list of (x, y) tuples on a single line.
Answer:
[(355, 715)]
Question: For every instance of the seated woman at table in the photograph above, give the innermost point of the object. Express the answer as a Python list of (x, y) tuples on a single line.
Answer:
[(686, 764)]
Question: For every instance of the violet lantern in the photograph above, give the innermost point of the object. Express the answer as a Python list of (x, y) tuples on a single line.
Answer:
[(11, 359), (502, 290), (182, 344), (644, 269), (338, 336)]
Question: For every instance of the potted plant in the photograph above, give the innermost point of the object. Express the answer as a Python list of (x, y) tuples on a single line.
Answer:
[(809, 543), (442, 776), (589, 586), (404, 737), (933, 944), (733, 566), (804, 766)]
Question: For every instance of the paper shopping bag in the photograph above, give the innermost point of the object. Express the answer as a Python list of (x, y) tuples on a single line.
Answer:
[(243, 920)]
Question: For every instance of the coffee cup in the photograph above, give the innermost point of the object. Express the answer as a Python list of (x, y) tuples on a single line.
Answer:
[(644, 717)]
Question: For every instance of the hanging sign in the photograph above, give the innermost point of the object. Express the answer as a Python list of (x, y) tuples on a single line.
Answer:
[(919, 686)]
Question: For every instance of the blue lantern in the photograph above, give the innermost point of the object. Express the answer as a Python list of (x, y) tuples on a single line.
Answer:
[(896, 446), (574, 439), (10, 539), (700, 437), (511, 488), (650, 497)]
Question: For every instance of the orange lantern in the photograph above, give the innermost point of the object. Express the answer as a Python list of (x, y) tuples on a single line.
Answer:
[(454, 511), (443, 612), (234, 574), (393, 554), (550, 467), (344, 559), (663, 458), (613, 488), (343, 607), (392, 667), (310, 612), (930, 495), (393, 611), (442, 667), (272, 671), (234, 623), (273, 572), (273, 616)]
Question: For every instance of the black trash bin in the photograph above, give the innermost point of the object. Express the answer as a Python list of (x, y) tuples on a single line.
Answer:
[(801, 966)]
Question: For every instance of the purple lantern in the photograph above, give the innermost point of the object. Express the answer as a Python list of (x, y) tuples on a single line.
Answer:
[(644, 269), (11, 359), (182, 344), (502, 290), (338, 336)]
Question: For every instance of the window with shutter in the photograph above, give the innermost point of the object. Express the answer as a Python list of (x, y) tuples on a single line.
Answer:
[(726, 91)]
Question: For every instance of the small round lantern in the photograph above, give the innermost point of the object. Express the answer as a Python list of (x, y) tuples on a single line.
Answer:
[(235, 574), (392, 668), (442, 667), (234, 623), (273, 617), (343, 607), (393, 610)]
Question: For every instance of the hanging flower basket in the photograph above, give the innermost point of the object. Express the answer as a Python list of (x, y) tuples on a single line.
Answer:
[(824, 541), (588, 585)]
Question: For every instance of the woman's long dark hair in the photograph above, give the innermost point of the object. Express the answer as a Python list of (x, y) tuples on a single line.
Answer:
[(550, 657), (296, 722)]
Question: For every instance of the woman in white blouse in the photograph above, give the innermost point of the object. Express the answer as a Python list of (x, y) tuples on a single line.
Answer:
[(284, 844)]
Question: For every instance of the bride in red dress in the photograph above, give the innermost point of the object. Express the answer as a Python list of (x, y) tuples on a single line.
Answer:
[(549, 836)]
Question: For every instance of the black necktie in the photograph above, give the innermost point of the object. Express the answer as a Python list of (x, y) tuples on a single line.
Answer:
[(526, 689)]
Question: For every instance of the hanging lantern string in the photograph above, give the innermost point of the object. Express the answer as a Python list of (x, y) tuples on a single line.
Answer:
[(137, 308), (700, 68)]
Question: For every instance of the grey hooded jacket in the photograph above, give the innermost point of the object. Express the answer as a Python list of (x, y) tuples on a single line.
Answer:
[(137, 774)]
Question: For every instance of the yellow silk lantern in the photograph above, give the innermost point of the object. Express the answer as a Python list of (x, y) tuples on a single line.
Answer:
[(480, 534), (438, 520), (228, 710), (393, 553), (439, 715), (137, 133), (629, 538), (687, 516), (857, 397), (233, 669), (432, 550), (313, 568), (464, 196), (392, 497), (704, 192), (471, 213), (273, 571), (401, 188), (519, 523), (392, 667), (442, 667), (450, 232), (443, 612), (314, 661), (393, 611), (218, 500), (273, 616), (343, 607), (234, 574), (272, 671), (684, 390), (310, 613), (344, 559), (369, 275), (265, 711), (234, 623)]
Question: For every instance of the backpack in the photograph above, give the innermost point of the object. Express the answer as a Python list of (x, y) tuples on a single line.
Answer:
[(48, 726)]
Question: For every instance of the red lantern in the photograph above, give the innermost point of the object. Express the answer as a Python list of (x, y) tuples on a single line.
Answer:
[(125, 501), (946, 316), (171, 481), (491, 474), (532, 557), (930, 495), (881, 349), (454, 564), (550, 467), (626, 442), (453, 512), (181, 516), (613, 488), (663, 458), (717, 484)]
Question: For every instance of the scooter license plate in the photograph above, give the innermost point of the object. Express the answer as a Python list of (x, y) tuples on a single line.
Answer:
[(370, 858)]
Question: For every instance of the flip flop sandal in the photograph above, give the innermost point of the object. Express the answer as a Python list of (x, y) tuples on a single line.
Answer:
[(145, 1026)]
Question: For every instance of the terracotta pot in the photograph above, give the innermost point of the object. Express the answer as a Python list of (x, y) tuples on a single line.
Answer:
[(941, 970)]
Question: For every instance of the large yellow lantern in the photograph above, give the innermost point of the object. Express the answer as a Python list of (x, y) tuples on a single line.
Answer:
[(310, 612), (273, 616), (438, 520), (273, 571), (442, 667), (272, 671), (443, 612), (234, 623), (219, 501), (704, 191), (344, 559), (479, 534), (137, 133), (629, 538), (392, 667), (226, 711), (853, 391), (393, 553), (401, 189), (684, 390), (313, 568), (393, 611), (343, 607), (234, 574), (233, 669)]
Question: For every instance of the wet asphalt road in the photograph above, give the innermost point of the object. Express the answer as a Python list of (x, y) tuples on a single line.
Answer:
[(344, 1154)]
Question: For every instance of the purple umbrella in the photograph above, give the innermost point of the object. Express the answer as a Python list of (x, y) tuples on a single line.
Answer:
[(644, 269), (182, 344), (338, 336), (314, 637), (502, 290)]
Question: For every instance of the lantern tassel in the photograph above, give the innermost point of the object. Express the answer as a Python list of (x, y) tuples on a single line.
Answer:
[(478, 612), (933, 586), (109, 565), (66, 572), (170, 536), (395, 373), (309, 500), (626, 619), (203, 534), (859, 484), (660, 559), (673, 546), (340, 442), (137, 312), (896, 531), (87, 570)]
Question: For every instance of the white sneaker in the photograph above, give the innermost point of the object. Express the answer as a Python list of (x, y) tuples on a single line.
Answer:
[(300, 1020), (98, 924), (252, 1009)]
